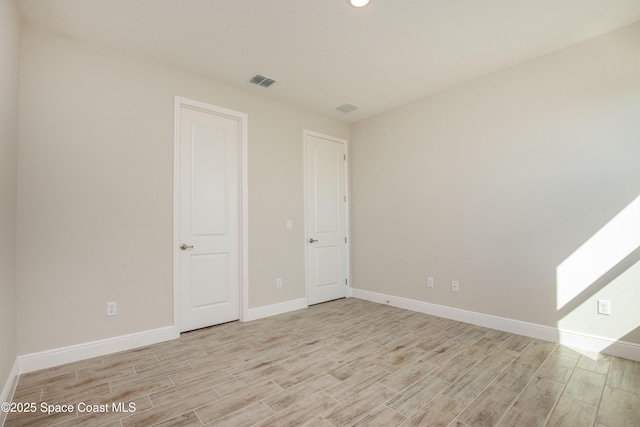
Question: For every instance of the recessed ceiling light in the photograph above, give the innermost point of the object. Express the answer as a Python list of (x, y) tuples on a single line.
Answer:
[(359, 3)]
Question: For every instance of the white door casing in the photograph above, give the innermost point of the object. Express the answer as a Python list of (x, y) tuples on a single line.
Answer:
[(209, 215), (326, 217)]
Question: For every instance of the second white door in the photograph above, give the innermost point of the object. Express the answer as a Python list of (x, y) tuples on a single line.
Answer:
[(325, 177)]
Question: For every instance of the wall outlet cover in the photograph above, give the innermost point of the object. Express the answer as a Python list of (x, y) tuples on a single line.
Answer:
[(604, 307), (112, 308)]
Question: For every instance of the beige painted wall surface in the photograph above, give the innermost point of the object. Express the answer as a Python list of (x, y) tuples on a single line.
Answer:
[(498, 182), (96, 197), (9, 58)]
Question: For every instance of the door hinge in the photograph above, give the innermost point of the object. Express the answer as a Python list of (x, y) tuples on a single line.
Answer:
[(345, 157), (345, 199), (346, 282), (345, 240)]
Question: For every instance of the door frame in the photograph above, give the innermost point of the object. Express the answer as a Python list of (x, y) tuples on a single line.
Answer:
[(243, 198), (347, 214)]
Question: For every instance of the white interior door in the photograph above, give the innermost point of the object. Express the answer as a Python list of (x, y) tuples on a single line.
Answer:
[(209, 239), (325, 180)]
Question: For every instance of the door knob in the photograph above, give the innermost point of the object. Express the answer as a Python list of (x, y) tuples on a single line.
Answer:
[(312, 240), (185, 247)]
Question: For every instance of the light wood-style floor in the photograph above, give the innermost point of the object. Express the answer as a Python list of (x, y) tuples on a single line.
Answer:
[(343, 363)]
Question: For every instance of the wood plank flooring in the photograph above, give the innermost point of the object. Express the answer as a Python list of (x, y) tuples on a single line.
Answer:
[(343, 363)]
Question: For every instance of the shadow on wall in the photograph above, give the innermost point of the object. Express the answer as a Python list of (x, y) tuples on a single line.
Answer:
[(605, 267), (631, 335)]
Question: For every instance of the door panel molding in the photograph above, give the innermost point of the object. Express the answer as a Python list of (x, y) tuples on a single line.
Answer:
[(242, 118)]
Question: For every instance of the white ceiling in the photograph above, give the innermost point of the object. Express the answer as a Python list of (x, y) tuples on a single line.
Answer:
[(324, 53)]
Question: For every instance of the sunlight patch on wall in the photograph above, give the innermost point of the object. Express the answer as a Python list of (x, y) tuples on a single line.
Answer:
[(603, 251), (624, 294)]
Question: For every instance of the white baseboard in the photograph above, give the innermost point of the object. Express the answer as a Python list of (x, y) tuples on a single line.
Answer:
[(275, 309), (593, 343), (9, 389), (569, 338), (46, 359), (60, 356)]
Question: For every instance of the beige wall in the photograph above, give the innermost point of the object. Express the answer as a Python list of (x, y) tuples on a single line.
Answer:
[(497, 182), (9, 58), (96, 197)]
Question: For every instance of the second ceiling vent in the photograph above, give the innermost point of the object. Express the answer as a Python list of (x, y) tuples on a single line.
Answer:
[(347, 108)]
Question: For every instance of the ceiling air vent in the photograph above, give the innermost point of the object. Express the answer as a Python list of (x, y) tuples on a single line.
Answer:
[(261, 80), (346, 108)]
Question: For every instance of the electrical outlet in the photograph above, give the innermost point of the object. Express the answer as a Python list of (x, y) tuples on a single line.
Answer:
[(455, 286), (604, 307), (279, 282), (112, 308), (430, 282)]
